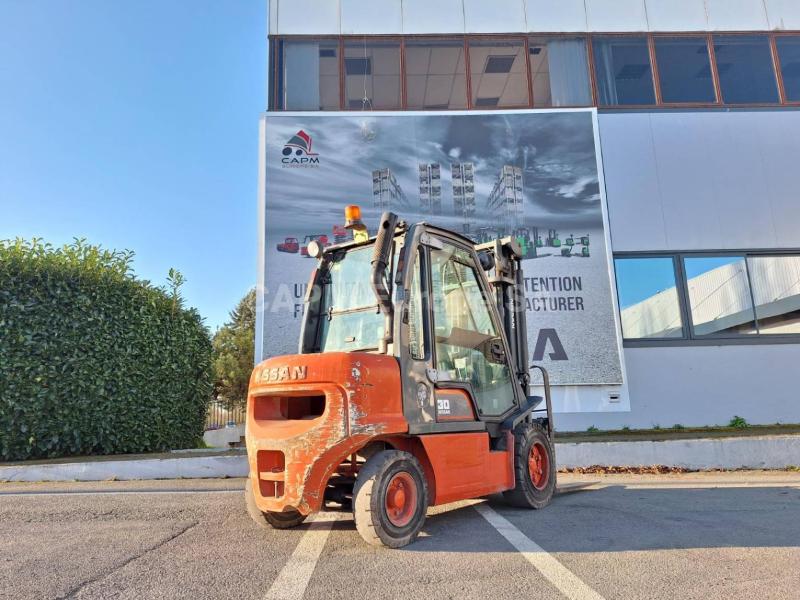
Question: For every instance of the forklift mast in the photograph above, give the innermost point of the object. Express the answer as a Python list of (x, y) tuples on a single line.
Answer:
[(502, 261)]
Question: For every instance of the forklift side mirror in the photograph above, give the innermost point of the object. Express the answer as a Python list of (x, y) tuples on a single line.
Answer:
[(493, 351), (486, 259)]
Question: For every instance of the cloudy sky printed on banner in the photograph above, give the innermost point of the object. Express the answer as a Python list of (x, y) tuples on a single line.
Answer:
[(555, 150)]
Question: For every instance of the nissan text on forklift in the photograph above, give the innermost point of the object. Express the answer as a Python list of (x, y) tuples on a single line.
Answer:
[(409, 388)]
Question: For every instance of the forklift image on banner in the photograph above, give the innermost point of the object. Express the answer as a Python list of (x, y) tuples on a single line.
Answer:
[(552, 239), (585, 244), (538, 242), (409, 388), (526, 243)]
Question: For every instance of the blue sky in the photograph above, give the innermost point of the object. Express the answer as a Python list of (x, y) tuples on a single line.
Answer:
[(135, 125)]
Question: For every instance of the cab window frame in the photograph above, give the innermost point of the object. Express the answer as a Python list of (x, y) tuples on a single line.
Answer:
[(486, 293)]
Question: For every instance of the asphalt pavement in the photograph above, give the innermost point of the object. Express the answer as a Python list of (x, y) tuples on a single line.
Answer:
[(705, 535)]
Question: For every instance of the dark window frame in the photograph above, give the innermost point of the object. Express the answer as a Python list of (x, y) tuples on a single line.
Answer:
[(463, 39), (523, 39), (589, 66), (775, 68), (689, 338), (711, 62), (653, 75), (276, 66), (675, 271), (388, 39), (776, 57)]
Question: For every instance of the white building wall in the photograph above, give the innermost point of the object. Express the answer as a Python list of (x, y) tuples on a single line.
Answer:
[(315, 17), (703, 385), (702, 180)]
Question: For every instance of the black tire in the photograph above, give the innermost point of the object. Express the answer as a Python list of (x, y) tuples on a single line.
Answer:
[(402, 471), (532, 489), (276, 520)]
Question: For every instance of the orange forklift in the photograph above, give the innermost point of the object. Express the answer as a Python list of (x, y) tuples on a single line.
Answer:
[(409, 388)]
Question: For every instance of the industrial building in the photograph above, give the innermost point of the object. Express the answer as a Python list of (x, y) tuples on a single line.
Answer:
[(507, 198), (698, 121), (386, 192), (463, 182), (430, 188)]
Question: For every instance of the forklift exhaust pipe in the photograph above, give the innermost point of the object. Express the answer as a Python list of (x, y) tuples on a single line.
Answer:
[(380, 260)]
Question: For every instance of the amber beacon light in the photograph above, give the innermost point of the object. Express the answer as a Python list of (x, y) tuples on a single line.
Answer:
[(352, 220)]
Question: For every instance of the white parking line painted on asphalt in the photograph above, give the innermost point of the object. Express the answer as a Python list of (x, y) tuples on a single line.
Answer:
[(292, 581), (562, 578)]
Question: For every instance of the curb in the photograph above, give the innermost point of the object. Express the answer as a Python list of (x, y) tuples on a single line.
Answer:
[(764, 452), (757, 452), (190, 467)]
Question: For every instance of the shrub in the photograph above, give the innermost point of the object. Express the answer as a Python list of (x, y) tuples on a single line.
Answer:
[(93, 360), (738, 422)]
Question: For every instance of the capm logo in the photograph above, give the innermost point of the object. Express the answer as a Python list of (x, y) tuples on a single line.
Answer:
[(297, 151)]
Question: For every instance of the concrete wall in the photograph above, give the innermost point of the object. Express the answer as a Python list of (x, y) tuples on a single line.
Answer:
[(305, 17)]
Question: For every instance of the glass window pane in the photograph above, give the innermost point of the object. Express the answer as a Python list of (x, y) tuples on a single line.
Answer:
[(416, 321), (497, 74), (559, 71), (789, 55), (622, 66), (744, 64), (435, 75), (310, 76), (776, 290), (648, 298), (372, 75), (684, 69), (719, 296), (464, 332)]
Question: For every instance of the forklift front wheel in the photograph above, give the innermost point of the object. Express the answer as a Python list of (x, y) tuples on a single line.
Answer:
[(277, 520), (390, 499), (534, 468)]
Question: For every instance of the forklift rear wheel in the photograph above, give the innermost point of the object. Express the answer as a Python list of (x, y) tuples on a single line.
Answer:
[(390, 499), (277, 520), (534, 468)]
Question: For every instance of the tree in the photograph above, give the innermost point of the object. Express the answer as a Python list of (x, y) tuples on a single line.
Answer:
[(234, 352)]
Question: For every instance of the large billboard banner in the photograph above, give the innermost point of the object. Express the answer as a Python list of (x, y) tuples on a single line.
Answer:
[(532, 175)]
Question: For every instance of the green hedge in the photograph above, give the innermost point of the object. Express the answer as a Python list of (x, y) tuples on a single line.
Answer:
[(93, 360)]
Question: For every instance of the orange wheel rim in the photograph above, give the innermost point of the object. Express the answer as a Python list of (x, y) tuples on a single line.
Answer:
[(401, 499), (538, 465)]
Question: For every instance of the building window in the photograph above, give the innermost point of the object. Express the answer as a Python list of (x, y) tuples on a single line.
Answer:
[(613, 70), (559, 71), (789, 56), (310, 75), (745, 67), (435, 75), (623, 71), (720, 301), (684, 69), (700, 297), (775, 281), (648, 298), (498, 74), (372, 75)]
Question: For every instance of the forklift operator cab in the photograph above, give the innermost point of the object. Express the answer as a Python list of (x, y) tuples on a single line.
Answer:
[(408, 389)]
